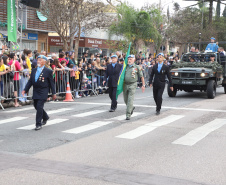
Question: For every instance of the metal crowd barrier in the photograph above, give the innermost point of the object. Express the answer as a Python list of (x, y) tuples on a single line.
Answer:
[(90, 84)]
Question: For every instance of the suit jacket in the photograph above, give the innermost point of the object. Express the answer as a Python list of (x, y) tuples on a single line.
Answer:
[(160, 78), (112, 74), (43, 84)]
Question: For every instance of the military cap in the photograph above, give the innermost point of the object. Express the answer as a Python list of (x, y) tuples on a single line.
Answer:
[(114, 56), (43, 57), (131, 56), (212, 55), (160, 54), (213, 38)]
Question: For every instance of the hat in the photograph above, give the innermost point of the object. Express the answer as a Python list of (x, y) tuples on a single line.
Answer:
[(70, 53), (212, 55), (160, 54), (43, 57), (114, 56), (131, 56), (213, 38)]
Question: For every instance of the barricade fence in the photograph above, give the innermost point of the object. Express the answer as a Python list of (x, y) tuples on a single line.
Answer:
[(82, 83)]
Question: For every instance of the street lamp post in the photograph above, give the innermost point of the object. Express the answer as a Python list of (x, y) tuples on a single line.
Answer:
[(200, 41)]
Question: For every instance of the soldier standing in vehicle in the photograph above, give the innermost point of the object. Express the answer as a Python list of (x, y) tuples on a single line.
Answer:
[(132, 74), (212, 58)]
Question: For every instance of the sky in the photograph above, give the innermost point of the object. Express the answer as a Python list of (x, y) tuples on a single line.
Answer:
[(165, 3)]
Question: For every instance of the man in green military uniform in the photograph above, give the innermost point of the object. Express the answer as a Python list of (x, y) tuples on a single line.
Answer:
[(132, 74)]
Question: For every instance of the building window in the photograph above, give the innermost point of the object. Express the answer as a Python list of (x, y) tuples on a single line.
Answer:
[(43, 46)]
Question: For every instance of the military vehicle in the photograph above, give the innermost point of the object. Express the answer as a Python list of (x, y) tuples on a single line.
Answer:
[(196, 72)]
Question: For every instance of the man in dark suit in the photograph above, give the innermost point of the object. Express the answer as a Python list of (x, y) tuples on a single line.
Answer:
[(112, 74), (159, 73), (41, 79)]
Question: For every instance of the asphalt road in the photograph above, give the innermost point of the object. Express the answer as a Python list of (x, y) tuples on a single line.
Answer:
[(84, 144)]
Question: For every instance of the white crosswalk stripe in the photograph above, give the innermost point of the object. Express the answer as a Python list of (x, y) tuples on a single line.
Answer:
[(88, 127), (57, 111), (123, 117), (89, 113), (51, 122), (12, 119), (20, 110), (149, 127), (198, 134)]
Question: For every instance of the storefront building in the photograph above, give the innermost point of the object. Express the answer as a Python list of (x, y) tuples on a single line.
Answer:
[(92, 45)]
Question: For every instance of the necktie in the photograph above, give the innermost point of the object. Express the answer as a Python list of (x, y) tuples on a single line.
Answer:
[(37, 74)]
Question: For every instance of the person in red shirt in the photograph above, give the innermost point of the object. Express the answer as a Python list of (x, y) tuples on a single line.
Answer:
[(15, 66)]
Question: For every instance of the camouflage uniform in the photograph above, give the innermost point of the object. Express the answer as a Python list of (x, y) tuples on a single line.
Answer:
[(132, 75)]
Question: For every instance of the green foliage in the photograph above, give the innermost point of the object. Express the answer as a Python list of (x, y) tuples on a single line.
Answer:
[(137, 25)]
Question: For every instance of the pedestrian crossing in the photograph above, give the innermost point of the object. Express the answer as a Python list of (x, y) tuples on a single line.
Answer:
[(190, 138), (149, 127), (51, 122)]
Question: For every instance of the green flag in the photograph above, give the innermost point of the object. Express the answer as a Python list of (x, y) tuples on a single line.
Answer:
[(11, 21), (122, 74)]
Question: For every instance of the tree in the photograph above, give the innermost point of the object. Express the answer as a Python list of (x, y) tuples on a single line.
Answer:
[(136, 26), (218, 9), (176, 7), (224, 12), (69, 17)]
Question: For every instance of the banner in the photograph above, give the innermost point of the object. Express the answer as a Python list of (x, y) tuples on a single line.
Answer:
[(122, 74), (11, 21)]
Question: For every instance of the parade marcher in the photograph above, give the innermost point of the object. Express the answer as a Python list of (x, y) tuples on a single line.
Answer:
[(212, 47), (42, 80), (132, 74), (112, 75), (159, 73)]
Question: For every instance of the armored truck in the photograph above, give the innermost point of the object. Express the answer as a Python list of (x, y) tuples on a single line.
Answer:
[(199, 71)]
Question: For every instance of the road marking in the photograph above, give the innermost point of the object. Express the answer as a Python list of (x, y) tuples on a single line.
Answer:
[(88, 127), (123, 117), (149, 127), (57, 111), (51, 122), (201, 132), (20, 110), (12, 120), (143, 98), (149, 106), (89, 113)]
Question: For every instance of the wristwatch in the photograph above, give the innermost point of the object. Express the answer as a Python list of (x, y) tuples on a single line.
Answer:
[(143, 85)]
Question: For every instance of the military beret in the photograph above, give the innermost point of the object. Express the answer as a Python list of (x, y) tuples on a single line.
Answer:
[(212, 55), (114, 56), (43, 57), (131, 56), (160, 54)]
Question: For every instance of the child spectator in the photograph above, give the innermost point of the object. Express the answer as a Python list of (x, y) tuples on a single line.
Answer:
[(77, 73)]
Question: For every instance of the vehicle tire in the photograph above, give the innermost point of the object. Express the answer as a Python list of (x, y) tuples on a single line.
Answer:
[(172, 93), (211, 89)]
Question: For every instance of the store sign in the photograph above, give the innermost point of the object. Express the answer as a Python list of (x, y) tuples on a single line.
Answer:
[(30, 36), (57, 41), (96, 43)]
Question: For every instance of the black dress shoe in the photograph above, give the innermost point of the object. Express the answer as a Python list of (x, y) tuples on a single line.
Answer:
[(132, 111), (111, 110), (44, 122), (38, 128), (128, 118), (157, 112)]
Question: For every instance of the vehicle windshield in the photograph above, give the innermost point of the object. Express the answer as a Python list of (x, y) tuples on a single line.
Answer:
[(197, 57)]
